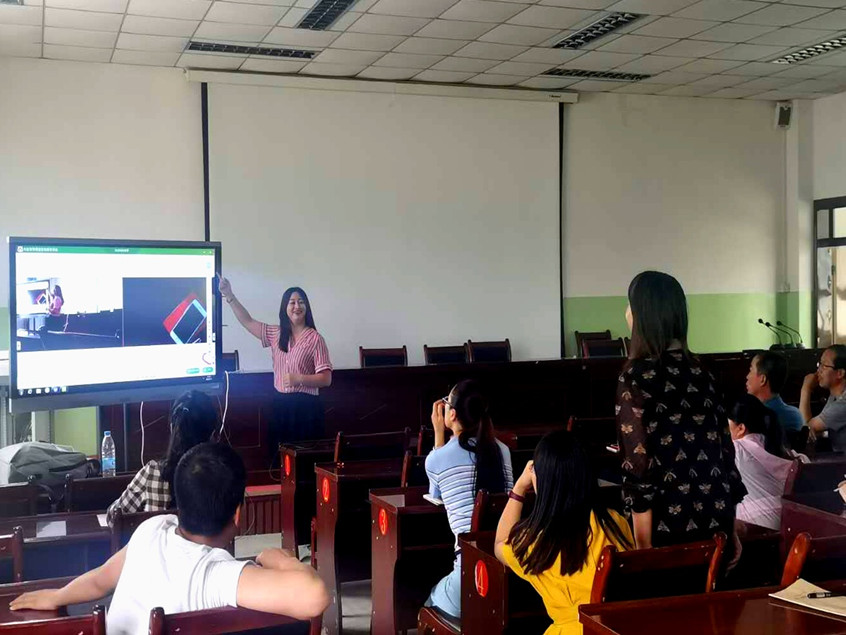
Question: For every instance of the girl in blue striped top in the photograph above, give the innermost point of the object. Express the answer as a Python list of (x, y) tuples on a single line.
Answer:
[(473, 459)]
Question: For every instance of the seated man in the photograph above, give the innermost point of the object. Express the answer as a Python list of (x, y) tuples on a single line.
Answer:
[(766, 379), (831, 375), (180, 563)]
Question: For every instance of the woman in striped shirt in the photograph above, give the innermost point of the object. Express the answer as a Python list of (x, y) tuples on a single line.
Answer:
[(301, 366), (473, 459)]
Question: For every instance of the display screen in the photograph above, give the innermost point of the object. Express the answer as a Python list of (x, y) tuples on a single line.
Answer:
[(94, 316)]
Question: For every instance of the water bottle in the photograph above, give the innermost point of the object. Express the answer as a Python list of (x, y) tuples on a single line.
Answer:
[(107, 454)]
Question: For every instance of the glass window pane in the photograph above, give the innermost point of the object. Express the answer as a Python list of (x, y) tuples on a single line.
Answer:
[(822, 224), (824, 304), (839, 222)]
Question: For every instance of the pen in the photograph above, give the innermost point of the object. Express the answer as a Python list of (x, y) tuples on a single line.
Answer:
[(819, 596)]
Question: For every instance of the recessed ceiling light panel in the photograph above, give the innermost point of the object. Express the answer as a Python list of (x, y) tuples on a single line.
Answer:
[(598, 29), (812, 51), (236, 49), (606, 75), (324, 13)]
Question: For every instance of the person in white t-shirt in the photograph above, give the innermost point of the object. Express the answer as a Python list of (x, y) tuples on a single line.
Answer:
[(180, 563)]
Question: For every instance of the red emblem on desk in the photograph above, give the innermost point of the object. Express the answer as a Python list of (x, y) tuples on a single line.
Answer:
[(324, 489), (287, 465), (383, 522), (481, 578)]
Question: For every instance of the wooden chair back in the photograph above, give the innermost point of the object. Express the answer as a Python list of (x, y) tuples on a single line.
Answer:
[(584, 336), (11, 546), (375, 357), (19, 499), (93, 624), (425, 440), (123, 526), (661, 572), (432, 621), (604, 348), (814, 559), (92, 494), (413, 470), (367, 447), (487, 508), (229, 619), (482, 352), (814, 477), (230, 362), (446, 354)]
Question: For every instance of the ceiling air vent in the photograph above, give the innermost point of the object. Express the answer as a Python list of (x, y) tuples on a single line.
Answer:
[(324, 13), (812, 51), (16, 2), (604, 26), (235, 49), (608, 75)]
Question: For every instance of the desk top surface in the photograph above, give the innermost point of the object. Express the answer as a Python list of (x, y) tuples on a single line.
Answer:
[(318, 446), (9, 592), (751, 612), (359, 470), (46, 528), (408, 500)]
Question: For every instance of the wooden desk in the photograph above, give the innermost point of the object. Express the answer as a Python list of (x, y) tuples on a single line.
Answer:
[(343, 524), (750, 612), (297, 505), (261, 510), (821, 514), (9, 592), (412, 548)]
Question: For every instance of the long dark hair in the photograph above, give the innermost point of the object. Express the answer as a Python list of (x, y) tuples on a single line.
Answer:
[(57, 291), (193, 420), (568, 491), (477, 435), (759, 419), (285, 329), (659, 312)]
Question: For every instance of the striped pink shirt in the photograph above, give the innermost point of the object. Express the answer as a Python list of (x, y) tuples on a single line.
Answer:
[(308, 356)]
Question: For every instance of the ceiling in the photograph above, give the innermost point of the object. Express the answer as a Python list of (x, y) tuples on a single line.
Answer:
[(699, 48)]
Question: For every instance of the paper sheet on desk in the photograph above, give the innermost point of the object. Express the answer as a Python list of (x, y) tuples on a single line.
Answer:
[(51, 528), (432, 499), (101, 518), (797, 593)]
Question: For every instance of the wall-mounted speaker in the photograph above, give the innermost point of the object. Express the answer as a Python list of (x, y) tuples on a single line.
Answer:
[(783, 114)]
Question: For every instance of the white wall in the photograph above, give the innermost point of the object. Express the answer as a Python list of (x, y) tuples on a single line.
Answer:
[(830, 146), (98, 151), (689, 186)]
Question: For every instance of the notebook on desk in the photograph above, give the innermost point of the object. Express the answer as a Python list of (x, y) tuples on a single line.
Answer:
[(797, 593)]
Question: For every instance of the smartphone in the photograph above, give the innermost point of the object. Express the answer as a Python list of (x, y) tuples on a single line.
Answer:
[(189, 324)]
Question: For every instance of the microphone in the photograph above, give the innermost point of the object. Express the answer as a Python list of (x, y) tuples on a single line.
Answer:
[(777, 333), (801, 343), (789, 334)]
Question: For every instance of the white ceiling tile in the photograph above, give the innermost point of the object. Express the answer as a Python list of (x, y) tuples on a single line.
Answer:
[(209, 60), (107, 6), (292, 17), (20, 49), (183, 9), (781, 15), (486, 79), (815, 86), (639, 88), (548, 83), (34, 3), (308, 4), (636, 44), (15, 34), (231, 32), (512, 34), (548, 56), (465, 64), (361, 5), (675, 27), (387, 25), (694, 48), (760, 84), (829, 4), (715, 82), (340, 56), (366, 42), (579, 4), (88, 20), (332, 70), (240, 13), (15, 14), (832, 59), (596, 86), (443, 77), (519, 68), (805, 71), (749, 52), (722, 10), (781, 95), (344, 22), (412, 8), (709, 66), (733, 93), (258, 64), (655, 7), (300, 37), (144, 58), (687, 91), (79, 53), (482, 11), (490, 51), (791, 36), (733, 32), (597, 61), (552, 17), (454, 29), (833, 20), (160, 43), (388, 73), (651, 64), (429, 46), (78, 37), (675, 77), (407, 60), (159, 26), (755, 69)]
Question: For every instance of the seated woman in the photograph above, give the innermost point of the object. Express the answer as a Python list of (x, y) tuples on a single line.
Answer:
[(556, 549), (761, 460), (193, 420), (473, 459)]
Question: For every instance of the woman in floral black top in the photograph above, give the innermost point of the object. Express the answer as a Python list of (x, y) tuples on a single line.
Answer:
[(679, 478)]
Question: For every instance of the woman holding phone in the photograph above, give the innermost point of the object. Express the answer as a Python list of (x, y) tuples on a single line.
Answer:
[(301, 365)]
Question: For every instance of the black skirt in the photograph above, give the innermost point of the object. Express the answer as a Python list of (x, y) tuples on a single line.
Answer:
[(297, 416)]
